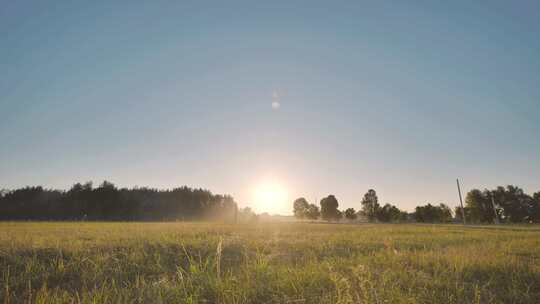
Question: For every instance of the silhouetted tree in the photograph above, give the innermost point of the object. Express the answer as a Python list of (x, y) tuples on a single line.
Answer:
[(329, 208), (389, 213), (350, 214), (433, 214), (313, 212), (515, 203), (480, 207), (301, 207), (370, 205)]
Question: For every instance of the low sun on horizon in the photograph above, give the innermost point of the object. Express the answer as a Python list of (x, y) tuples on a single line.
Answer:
[(270, 196)]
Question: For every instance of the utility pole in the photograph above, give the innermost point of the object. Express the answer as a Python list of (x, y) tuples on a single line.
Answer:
[(494, 210), (461, 202)]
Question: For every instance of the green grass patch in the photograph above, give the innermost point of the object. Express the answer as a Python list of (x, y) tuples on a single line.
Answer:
[(267, 263)]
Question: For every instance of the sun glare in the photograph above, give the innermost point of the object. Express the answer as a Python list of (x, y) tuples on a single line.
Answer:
[(271, 197)]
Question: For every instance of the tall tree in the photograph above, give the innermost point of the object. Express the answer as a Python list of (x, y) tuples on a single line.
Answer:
[(514, 202), (480, 206), (300, 208), (329, 208), (370, 205)]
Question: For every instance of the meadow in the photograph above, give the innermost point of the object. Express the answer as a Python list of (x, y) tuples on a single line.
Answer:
[(267, 263)]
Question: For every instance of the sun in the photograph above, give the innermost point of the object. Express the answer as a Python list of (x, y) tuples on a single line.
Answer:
[(271, 197)]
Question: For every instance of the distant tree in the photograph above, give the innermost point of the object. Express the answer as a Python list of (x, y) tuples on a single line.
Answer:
[(445, 213), (535, 208), (515, 203), (300, 207), (370, 205), (329, 208), (458, 214), (480, 206), (107, 204), (511, 205), (247, 215), (433, 214), (403, 216), (350, 214), (389, 213), (313, 212), (339, 215), (34, 203)]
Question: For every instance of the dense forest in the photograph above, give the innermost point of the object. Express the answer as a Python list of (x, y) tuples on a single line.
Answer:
[(109, 203)]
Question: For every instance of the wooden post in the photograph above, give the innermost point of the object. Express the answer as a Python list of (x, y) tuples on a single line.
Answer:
[(461, 202)]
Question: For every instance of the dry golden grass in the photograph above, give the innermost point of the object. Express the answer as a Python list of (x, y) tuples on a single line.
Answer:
[(267, 263)]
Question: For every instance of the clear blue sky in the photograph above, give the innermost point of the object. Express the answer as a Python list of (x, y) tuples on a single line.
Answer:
[(399, 96)]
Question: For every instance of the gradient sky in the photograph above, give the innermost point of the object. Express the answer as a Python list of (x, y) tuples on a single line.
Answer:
[(399, 96)]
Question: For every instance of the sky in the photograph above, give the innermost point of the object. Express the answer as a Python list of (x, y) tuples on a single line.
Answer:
[(298, 98)]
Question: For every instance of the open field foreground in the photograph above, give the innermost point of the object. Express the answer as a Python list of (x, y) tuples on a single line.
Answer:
[(267, 263)]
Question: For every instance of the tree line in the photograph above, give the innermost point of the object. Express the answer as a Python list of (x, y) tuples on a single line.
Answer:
[(370, 209), (508, 204), (109, 203)]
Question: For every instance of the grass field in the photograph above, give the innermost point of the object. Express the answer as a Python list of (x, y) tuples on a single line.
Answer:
[(267, 263)]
